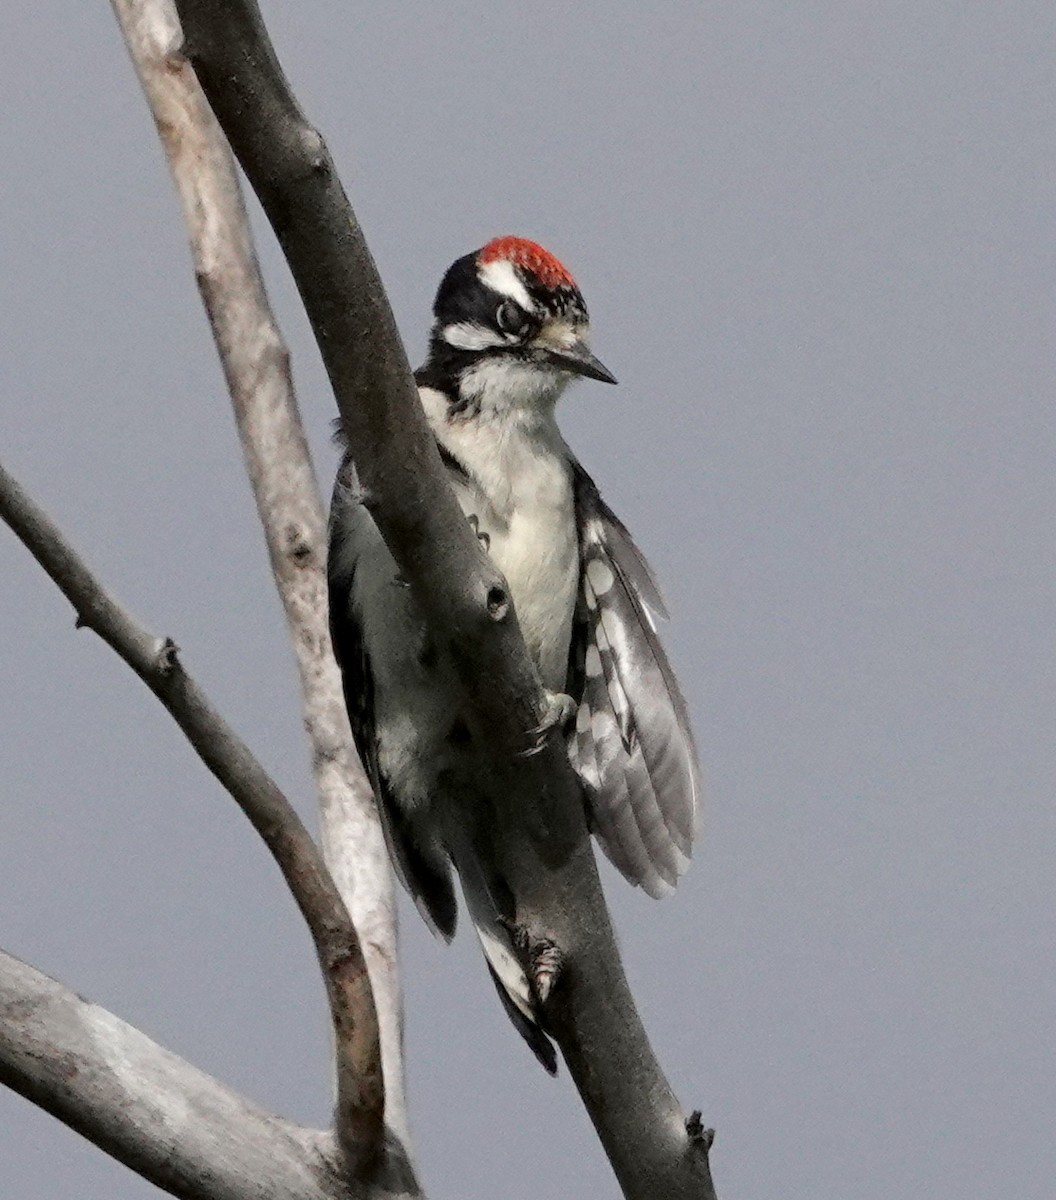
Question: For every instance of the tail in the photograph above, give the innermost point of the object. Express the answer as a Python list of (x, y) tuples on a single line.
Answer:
[(497, 939)]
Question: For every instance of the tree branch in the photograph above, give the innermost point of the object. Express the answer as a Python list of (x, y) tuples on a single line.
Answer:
[(361, 1093), (168, 1121), (257, 371), (532, 810)]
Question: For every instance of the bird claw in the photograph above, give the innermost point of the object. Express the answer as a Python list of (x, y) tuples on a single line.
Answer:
[(545, 961), (482, 534), (542, 959), (559, 711)]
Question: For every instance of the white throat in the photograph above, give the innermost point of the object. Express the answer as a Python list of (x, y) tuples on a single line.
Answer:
[(506, 434), (502, 386)]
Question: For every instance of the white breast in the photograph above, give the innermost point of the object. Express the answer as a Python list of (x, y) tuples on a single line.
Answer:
[(520, 494)]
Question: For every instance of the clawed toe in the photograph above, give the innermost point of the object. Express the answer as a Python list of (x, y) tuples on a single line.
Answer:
[(541, 957), (559, 711)]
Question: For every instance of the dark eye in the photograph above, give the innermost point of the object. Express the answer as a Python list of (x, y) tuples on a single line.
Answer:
[(511, 318)]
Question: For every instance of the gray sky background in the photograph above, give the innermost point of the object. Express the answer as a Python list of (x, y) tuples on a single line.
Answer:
[(817, 244)]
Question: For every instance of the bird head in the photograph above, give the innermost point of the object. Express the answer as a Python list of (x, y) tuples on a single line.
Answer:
[(511, 327)]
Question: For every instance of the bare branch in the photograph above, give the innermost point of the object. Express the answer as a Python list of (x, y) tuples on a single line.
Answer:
[(168, 1121), (361, 1093), (532, 808), (257, 371)]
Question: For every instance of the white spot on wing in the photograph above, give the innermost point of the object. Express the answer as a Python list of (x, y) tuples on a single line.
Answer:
[(593, 662), (600, 576), (602, 726)]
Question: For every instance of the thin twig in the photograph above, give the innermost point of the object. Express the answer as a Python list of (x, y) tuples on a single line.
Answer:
[(257, 370), (156, 661)]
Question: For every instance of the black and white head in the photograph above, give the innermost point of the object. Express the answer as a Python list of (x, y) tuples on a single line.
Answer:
[(510, 330)]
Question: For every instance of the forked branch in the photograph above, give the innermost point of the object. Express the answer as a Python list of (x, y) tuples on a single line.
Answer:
[(165, 1119), (361, 1094)]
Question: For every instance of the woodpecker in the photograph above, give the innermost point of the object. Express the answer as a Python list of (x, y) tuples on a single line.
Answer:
[(510, 332)]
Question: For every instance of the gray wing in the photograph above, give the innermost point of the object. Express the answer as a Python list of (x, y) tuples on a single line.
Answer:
[(421, 866), (632, 745)]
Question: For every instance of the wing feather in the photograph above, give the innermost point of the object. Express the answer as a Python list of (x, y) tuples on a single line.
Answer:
[(632, 745), (421, 866)]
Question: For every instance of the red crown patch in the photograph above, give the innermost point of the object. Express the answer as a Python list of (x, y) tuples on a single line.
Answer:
[(550, 272)]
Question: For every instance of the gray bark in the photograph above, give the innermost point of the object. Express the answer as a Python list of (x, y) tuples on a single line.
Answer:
[(160, 1116), (359, 1120)]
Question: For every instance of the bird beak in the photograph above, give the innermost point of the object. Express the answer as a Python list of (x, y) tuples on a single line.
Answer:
[(578, 359)]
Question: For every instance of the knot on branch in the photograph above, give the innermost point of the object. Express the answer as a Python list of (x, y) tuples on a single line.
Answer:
[(698, 1135), (173, 58), (167, 656), (313, 147), (498, 603), (297, 545)]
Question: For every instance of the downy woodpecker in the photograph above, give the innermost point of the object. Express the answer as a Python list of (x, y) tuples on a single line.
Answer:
[(509, 333)]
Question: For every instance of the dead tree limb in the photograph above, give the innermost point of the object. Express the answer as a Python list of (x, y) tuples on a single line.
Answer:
[(257, 371), (539, 826), (165, 1119), (361, 1094)]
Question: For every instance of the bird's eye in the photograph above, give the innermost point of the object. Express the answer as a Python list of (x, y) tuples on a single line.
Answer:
[(511, 318)]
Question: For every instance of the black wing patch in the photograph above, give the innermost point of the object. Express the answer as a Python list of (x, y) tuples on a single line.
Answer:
[(632, 746), (422, 867)]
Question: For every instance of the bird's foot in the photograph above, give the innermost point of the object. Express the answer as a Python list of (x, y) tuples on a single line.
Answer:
[(482, 534), (545, 961), (559, 710), (542, 959)]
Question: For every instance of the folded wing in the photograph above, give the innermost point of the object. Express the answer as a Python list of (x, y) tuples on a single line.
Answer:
[(420, 865)]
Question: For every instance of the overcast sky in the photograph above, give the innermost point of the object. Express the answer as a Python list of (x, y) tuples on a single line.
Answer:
[(816, 240)]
